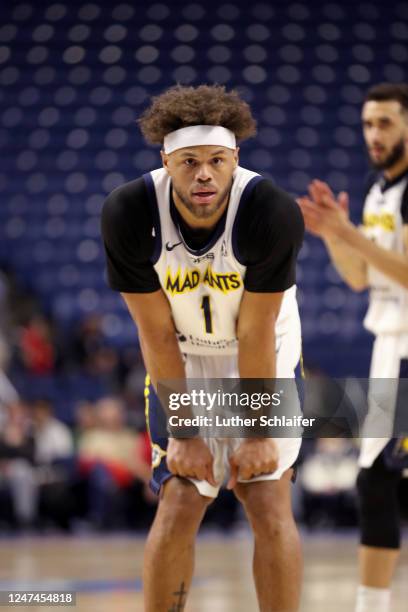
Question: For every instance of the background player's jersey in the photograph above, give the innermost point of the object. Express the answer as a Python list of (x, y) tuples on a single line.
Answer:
[(205, 287), (383, 222)]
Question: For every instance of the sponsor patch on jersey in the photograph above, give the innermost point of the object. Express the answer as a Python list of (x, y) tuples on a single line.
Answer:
[(384, 220), (190, 278), (199, 259)]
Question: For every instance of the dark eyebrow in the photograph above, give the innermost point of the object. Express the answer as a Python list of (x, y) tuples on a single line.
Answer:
[(383, 118)]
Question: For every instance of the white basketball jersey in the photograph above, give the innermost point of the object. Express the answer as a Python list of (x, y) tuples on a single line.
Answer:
[(205, 287), (383, 223)]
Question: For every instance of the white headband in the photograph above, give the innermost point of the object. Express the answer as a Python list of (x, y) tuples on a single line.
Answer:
[(198, 135)]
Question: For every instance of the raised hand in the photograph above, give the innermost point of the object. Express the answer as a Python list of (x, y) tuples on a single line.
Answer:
[(324, 215)]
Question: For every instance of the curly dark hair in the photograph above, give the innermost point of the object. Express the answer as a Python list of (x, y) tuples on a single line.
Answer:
[(180, 107)]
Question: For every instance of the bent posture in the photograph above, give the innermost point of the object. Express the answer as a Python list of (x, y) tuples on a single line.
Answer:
[(204, 253)]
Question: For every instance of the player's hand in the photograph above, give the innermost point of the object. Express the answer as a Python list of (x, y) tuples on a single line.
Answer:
[(190, 458), (324, 216), (253, 457)]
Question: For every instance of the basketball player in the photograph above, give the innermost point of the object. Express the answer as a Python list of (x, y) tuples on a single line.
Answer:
[(239, 234), (375, 256)]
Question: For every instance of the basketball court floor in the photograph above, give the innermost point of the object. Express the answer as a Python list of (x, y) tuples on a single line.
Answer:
[(106, 572)]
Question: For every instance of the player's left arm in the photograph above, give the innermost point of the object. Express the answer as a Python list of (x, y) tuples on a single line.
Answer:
[(275, 239), (256, 334), (257, 359), (270, 236)]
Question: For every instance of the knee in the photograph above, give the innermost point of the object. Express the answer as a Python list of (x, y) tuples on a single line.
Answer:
[(269, 517)]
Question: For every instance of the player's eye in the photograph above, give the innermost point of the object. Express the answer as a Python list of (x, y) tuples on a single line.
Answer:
[(189, 161), (217, 161)]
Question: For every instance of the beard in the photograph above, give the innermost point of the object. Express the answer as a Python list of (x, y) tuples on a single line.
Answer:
[(395, 155), (199, 211)]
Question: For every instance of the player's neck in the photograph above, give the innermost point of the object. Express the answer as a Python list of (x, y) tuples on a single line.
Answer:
[(397, 169), (193, 221)]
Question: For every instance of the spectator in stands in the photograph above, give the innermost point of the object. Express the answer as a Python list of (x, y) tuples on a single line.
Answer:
[(85, 418), (36, 346), (111, 458), (17, 472), (53, 439), (8, 395), (327, 478), (54, 459), (91, 350), (4, 306)]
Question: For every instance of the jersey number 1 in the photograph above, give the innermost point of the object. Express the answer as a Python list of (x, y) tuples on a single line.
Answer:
[(205, 306)]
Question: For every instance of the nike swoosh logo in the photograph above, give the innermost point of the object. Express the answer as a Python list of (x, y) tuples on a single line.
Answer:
[(170, 247)]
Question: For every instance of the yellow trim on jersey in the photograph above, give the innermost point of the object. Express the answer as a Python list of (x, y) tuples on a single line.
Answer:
[(157, 452), (147, 405), (302, 365)]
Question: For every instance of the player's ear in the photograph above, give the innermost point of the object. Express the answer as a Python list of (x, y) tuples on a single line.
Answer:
[(236, 156), (165, 160)]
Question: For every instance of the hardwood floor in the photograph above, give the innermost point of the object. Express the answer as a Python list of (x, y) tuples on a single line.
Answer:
[(105, 572)]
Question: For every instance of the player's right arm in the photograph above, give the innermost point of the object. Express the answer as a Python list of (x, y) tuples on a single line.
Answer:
[(161, 353), (127, 230), (348, 263), (128, 238)]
